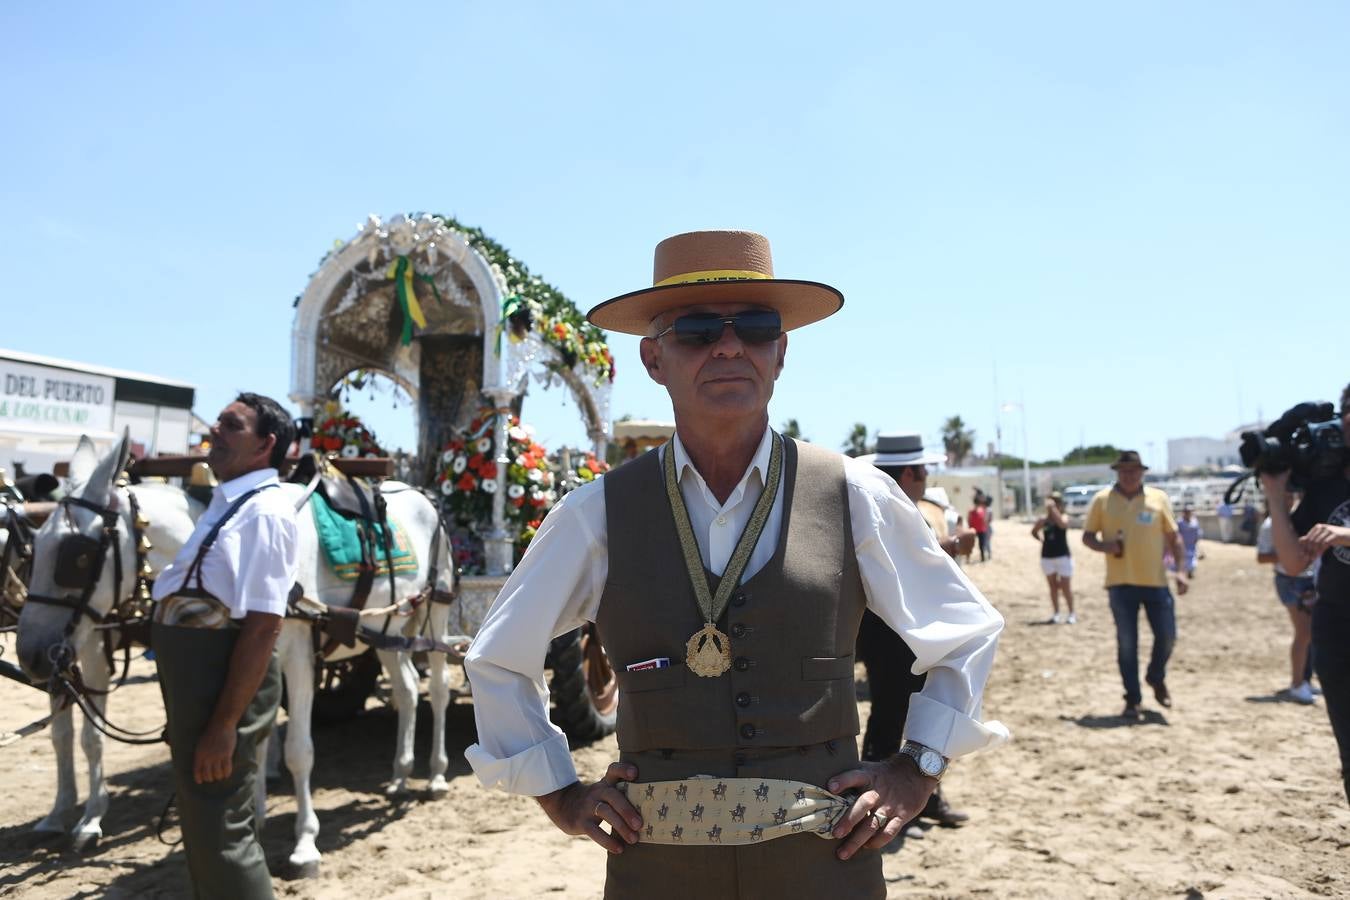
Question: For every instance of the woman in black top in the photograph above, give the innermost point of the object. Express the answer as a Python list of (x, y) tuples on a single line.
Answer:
[(1051, 530)]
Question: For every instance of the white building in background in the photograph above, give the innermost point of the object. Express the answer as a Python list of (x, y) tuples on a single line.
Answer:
[(46, 404), (1207, 453)]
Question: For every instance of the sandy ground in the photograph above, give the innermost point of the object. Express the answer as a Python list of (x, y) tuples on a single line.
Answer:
[(1230, 793)]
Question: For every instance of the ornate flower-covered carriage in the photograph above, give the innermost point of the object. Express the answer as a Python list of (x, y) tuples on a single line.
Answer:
[(462, 328)]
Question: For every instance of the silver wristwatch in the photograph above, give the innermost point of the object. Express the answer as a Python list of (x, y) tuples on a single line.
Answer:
[(929, 762)]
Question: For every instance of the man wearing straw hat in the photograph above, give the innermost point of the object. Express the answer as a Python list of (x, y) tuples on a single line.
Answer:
[(727, 574)]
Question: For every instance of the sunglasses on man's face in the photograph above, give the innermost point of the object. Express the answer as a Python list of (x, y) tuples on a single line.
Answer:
[(754, 326)]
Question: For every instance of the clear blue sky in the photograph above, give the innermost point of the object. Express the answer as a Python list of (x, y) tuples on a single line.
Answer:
[(1138, 214)]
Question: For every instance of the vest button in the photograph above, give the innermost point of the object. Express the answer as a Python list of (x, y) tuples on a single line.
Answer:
[(742, 699), (739, 598), (741, 664), (738, 630), (747, 731)]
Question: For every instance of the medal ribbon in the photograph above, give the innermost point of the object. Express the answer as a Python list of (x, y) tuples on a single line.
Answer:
[(713, 607)]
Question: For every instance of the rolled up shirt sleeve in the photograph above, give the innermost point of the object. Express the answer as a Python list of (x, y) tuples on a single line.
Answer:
[(921, 593), (268, 557), (555, 589)]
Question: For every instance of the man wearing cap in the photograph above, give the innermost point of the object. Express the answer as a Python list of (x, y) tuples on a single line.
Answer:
[(727, 574), (888, 659), (1132, 523)]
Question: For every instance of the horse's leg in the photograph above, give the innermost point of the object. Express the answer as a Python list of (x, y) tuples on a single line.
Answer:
[(89, 830), (403, 684), (260, 783), (275, 741), (63, 742), (439, 688), (295, 651)]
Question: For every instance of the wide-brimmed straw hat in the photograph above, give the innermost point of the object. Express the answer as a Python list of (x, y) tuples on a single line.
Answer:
[(901, 448), (716, 267), (1128, 458)]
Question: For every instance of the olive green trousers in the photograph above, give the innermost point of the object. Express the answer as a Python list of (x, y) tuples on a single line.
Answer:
[(220, 839)]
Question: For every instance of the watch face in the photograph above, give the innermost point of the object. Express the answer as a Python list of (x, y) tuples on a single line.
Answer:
[(930, 763)]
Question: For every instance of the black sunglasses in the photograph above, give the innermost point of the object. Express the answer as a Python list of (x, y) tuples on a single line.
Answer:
[(754, 326)]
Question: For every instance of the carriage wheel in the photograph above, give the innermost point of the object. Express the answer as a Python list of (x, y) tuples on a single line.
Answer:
[(584, 688)]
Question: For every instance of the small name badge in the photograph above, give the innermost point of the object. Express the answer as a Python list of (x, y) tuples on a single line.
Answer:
[(660, 662)]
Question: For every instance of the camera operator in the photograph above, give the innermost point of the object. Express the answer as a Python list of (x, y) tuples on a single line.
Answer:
[(1319, 529)]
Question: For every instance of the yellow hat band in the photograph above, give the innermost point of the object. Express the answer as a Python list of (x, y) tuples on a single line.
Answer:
[(712, 275)]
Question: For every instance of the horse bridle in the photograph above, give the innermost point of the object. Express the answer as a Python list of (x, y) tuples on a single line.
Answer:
[(16, 555), (88, 557)]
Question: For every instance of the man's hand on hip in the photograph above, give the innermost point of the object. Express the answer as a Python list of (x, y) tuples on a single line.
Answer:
[(892, 790), (580, 809)]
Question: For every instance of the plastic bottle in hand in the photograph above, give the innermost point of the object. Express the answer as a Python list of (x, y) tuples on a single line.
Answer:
[(1120, 544)]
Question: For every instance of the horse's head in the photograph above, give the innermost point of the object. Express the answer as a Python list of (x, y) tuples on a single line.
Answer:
[(72, 580)]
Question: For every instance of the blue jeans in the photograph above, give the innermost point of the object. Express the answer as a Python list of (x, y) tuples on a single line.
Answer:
[(1161, 611)]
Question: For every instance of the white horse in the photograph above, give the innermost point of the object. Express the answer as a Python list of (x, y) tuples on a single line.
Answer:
[(43, 627), (172, 514)]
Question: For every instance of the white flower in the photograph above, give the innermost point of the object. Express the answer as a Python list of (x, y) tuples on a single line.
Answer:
[(515, 492), (547, 480), (447, 457), (447, 486), (551, 496), (535, 475), (489, 485), (459, 464), (350, 451), (516, 433), (520, 460), (483, 444)]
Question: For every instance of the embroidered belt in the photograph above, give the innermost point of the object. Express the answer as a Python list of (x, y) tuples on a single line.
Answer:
[(703, 810), (193, 611)]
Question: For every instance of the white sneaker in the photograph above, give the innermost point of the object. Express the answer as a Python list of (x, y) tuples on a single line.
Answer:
[(1073, 619), (1056, 619), (1302, 694)]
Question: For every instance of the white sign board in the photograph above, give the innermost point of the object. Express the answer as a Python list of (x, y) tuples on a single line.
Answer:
[(42, 398)]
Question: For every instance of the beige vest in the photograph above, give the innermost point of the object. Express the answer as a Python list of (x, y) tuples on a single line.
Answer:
[(793, 625)]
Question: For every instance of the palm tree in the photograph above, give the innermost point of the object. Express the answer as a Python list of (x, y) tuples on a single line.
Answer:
[(857, 443), (957, 440), (793, 430)]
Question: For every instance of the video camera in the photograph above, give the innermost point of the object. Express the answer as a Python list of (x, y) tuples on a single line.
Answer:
[(1306, 440)]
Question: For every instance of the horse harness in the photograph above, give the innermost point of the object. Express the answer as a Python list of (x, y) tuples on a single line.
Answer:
[(79, 566)]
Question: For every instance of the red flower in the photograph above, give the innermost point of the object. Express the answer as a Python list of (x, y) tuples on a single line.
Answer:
[(466, 482)]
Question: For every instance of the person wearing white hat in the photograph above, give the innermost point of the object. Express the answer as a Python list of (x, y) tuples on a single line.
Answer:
[(887, 658), (727, 574)]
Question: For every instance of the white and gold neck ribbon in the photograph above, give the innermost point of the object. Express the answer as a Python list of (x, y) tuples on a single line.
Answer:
[(705, 811)]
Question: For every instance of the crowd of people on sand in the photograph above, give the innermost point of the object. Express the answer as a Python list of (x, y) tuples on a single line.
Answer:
[(1134, 526), (735, 576)]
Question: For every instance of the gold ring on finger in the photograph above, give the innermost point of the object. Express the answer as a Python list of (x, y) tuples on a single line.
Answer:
[(596, 812)]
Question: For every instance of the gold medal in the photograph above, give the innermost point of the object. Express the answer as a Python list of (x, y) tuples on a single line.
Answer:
[(708, 652)]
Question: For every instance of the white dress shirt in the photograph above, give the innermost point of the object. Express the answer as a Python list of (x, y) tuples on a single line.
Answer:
[(253, 563), (910, 583)]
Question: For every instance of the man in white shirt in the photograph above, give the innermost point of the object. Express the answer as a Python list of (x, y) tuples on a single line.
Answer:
[(218, 611), (775, 549)]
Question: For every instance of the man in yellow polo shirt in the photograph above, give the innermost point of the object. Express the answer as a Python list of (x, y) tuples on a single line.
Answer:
[(1131, 524)]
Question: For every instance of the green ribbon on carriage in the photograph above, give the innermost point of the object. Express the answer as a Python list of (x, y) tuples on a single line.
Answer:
[(402, 273), (510, 306)]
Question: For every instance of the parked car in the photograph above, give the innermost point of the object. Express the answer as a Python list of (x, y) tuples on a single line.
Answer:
[(1077, 498)]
